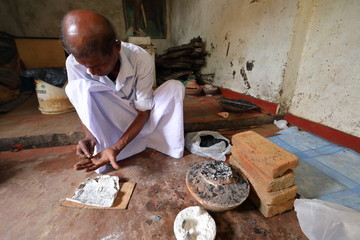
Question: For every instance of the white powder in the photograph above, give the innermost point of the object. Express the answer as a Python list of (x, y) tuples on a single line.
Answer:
[(100, 191), (112, 237), (194, 223)]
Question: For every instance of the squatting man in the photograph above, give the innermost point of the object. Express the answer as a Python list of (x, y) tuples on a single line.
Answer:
[(110, 85)]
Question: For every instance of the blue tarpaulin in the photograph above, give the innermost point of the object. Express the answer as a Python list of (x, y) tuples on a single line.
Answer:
[(326, 171)]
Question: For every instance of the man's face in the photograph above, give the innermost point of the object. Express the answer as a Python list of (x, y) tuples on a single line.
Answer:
[(99, 64)]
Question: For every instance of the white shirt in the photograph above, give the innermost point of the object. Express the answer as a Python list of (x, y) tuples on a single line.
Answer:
[(134, 81), (107, 109)]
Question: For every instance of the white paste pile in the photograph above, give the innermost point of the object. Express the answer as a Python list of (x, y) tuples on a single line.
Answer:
[(194, 223), (100, 191)]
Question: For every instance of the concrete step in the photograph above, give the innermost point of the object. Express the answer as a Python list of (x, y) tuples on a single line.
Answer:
[(27, 126)]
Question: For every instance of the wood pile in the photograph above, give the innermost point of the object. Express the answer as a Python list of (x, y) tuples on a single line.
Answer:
[(181, 61)]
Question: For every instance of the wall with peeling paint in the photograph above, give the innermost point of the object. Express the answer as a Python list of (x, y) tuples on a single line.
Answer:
[(328, 84), (303, 55), (239, 34)]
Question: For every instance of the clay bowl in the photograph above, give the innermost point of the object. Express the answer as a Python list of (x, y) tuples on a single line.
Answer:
[(192, 88), (209, 89), (236, 105), (217, 186), (193, 91)]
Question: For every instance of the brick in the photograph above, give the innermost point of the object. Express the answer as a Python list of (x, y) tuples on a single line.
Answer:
[(278, 197), (260, 180), (271, 210), (271, 198), (269, 158)]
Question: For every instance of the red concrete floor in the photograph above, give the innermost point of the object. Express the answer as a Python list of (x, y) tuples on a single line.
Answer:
[(33, 183), (26, 125), (27, 120), (200, 113)]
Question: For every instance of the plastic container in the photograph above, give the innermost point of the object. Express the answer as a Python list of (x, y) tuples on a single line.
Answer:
[(52, 99)]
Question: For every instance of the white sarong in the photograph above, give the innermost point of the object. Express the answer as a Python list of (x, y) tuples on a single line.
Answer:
[(107, 117)]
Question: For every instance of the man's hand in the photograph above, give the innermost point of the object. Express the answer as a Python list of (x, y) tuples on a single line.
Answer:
[(85, 147), (100, 159)]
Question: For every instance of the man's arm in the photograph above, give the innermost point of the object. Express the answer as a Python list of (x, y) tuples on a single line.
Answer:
[(109, 155), (133, 130)]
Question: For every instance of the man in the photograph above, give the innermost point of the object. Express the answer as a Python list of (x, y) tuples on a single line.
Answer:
[(110, 85)]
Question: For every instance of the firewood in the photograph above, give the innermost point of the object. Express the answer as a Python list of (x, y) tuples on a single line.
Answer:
[(180, 61)]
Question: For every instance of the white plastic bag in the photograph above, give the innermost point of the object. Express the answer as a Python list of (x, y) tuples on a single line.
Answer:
[(320, 220), (216, 151), (282, 124)]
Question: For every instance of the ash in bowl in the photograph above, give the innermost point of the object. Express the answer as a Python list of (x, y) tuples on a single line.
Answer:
[(217, 186), (217, 172)]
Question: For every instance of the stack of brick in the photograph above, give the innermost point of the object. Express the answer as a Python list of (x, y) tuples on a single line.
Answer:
[(268, 168)]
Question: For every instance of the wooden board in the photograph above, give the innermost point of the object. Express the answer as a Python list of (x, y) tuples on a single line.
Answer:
[(40, 53), (121, 201)]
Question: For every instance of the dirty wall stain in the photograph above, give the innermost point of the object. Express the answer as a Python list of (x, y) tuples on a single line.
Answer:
[(250, 65), (212, 47), (245, 79), (227, 50)]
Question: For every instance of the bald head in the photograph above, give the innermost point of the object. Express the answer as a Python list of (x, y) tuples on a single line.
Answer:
[(85, 33)]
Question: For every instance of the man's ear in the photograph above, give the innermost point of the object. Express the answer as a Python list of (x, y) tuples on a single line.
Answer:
[(118, 45)]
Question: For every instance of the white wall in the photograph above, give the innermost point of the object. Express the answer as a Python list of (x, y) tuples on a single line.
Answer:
[(237, 32), (327, 89), (306, 53)]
